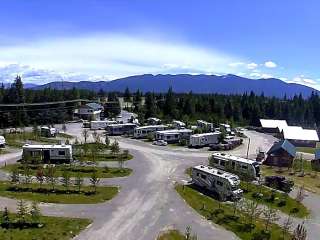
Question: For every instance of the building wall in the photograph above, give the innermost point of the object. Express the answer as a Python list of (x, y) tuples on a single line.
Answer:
[(279, 159)]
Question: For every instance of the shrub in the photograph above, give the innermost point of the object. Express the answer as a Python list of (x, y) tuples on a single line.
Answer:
[(294, 210), (282, 203), (261, 235)]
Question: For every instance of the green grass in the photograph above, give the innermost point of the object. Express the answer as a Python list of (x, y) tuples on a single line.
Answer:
[(65, 135), (290, 203), (197, 200), (19, 139), (32, 193), (306, 149), (101, 157), (55, 228), (3, 151), (310, 180), (171, 235), (73, 170)]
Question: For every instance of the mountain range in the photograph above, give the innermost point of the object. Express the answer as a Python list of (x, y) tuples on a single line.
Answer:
[(183, 83)]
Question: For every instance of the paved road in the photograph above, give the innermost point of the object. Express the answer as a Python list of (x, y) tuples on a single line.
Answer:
[(147, 202)]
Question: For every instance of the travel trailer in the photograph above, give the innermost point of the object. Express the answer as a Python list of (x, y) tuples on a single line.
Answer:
[(224, 184), (47, 153), (204, 139), (48, 132), (142, 132), (241, 166), (173, 135), (121, 129), (2, 141), (101, 125)]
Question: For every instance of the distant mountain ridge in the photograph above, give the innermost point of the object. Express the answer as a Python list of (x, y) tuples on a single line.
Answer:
[(183, 83)]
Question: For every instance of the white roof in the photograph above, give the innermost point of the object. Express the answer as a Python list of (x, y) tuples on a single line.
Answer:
[(41, 146), (151, 127), (270, 123), (178, 122), (298, 133), (205, 134), (175, 131), (2, 137), (121, 124), (217, 172), (231, 157), (45, 127), (154, 119)]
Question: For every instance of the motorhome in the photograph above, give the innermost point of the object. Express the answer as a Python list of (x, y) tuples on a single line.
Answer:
[(142, 132), (101, 125), (121, 129), (47, 153), (178, 124), (173, 135), (2, 141), (244, 167), (48, 132), (204, 139), (224, 184)]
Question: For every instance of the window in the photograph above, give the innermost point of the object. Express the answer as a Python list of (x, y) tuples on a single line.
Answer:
[(220, 183), (62, 153), (222, 163), (203, 176), (244, 167), (233, 164), (198, 174)]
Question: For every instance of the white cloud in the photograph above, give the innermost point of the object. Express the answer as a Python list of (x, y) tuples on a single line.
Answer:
[(116, 56), (236, 64), (270, 64), (301, 79), (252, 65)]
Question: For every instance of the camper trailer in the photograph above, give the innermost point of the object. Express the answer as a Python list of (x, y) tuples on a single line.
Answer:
[(2, 141), (204, 139), (174, 135), (101, 125), (224, 184), (244, 167), (47, 153), (48, 132), (142, 132), (121, 129)]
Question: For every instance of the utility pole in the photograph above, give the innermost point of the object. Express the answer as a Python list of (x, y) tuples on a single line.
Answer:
[(248, 148)]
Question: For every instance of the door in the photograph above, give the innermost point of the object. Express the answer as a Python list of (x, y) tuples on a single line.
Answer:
[(46, 156)]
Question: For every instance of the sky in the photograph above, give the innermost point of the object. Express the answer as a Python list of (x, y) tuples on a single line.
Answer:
[(107, 39)]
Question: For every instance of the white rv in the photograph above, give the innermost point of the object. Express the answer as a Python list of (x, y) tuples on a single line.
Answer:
[(241, 166), (101, 125), (2, 141), (142, 132), (174, 135), (47, 153), (178, 124), (224, 184), (204, 139), (48, 131), (205, 125)]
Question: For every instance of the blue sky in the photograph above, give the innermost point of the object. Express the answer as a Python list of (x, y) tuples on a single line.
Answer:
[(106, 39)]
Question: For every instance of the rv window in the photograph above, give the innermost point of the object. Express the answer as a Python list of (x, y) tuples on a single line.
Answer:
[(222, 163), (220, 183), (198, 174), (62, 153), (203, 176), (233, 164), (215, 160), (244, 167)]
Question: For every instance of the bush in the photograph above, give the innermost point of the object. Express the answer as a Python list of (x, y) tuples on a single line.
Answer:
[(261, 235), (247, 227), (282, 203), (294, 210)]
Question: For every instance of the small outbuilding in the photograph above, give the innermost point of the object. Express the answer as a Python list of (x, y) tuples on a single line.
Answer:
[(272, 126), (281, 154), (300, 137)]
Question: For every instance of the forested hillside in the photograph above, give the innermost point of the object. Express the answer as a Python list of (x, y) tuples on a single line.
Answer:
[(245, 109)]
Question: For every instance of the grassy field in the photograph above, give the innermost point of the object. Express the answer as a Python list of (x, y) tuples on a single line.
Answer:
[(19, 139), (306, 149), (310, 181), (55, 228), (33, 192), (171, 235), (73, 170), (280, 201), (65, 135), (227, 219)]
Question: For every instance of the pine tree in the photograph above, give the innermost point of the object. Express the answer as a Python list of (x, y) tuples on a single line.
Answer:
[(5, 218), (22, 211), (35, 213)]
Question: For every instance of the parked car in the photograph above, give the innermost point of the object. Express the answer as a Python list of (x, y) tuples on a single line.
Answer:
[(279, 183), (160, 143)]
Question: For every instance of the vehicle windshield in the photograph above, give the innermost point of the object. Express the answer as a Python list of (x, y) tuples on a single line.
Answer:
[(234, 187)]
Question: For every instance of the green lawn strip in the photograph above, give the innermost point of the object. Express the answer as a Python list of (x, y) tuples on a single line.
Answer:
[(101, 157), (65, 135), (74, 170), (171, 235), (54, 228), (33, 192), (19, 139), (306, 149), (3, 151), (274, 199), (309, 181), (197, 200)]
